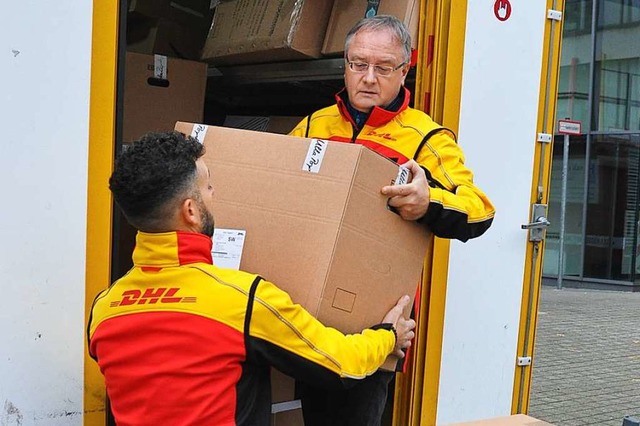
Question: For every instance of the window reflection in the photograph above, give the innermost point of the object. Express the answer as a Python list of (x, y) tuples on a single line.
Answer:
[(617, 56), (599, 85), (612, 209)]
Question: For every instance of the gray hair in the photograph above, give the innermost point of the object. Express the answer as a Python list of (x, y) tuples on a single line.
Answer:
[(382, 23)]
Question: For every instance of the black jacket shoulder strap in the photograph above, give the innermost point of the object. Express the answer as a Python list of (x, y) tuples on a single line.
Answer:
[(428, 136), (249, 312), (306, 134)]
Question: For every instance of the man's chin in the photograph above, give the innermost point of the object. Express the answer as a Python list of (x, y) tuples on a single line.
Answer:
[(364, 107), (365, 103)]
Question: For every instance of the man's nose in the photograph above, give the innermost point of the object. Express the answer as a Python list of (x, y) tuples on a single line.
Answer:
[(370, 74)]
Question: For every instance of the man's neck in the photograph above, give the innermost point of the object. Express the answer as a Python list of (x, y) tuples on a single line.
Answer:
[(360, 117)]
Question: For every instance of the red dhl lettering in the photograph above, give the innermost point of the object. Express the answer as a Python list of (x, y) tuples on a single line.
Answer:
[(386, 136), (152, 296)]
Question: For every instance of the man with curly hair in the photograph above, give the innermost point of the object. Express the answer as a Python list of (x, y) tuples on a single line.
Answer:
[(183, 342)]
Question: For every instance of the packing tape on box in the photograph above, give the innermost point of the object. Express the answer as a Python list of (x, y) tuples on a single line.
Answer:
[(313, 162), (199, 132)]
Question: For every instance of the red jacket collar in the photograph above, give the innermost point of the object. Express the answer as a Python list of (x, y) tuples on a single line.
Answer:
[(378, 116), (171, 249)]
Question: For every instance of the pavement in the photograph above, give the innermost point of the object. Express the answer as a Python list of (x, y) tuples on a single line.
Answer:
[(586, 365)]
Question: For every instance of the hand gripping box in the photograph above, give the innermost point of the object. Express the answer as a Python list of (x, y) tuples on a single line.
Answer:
[(316, 224)]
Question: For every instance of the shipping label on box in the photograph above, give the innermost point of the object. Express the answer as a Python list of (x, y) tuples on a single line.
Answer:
[(324, 235)]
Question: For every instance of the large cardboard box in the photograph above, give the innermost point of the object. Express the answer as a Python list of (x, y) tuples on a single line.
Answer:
[(514, 420), (254, 31), (325, 236), (158, 91), (316, 224), (346, 13)]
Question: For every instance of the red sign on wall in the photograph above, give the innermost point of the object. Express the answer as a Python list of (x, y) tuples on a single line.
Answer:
[(502, 9)]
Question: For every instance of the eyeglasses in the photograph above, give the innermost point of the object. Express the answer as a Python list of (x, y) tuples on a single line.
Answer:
[(381, 70)]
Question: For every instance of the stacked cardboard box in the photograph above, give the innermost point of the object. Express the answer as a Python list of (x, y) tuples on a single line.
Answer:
[(254, 31), (346, 13)]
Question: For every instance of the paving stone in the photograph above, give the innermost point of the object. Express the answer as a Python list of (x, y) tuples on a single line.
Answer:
[(586, 363)]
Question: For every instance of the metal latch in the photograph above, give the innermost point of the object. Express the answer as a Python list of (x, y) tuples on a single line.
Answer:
[(544, 137), (524, 360), (556, 15), (539, 224)]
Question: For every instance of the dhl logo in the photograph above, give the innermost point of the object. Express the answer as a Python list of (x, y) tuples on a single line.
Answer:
[(152, 296), (386, 136)]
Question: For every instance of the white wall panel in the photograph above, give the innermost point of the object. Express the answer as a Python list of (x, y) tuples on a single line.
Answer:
[(500, 93), (44, 104)]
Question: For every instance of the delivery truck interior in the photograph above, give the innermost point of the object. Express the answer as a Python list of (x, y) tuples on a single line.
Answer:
[(253, 65)]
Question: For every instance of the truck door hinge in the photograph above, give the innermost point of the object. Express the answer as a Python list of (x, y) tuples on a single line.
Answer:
[(524, 361), (556, 15), (544, 137)]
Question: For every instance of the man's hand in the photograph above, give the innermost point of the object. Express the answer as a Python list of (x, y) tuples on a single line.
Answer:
[(404, 328), (412, 199)]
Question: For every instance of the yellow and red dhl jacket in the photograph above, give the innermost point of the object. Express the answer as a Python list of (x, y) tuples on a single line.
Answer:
[(183, 342), (457, 209)]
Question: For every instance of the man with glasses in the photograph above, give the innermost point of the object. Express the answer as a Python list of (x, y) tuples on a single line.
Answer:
[(373, 110)]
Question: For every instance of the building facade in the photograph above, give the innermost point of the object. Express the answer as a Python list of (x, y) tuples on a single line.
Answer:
[(599, 87)]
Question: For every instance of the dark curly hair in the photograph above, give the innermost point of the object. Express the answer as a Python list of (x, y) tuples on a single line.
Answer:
[(154, 174)]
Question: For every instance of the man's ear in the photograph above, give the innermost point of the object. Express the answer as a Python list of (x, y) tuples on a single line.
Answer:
[(189, 212), (405, 71)]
